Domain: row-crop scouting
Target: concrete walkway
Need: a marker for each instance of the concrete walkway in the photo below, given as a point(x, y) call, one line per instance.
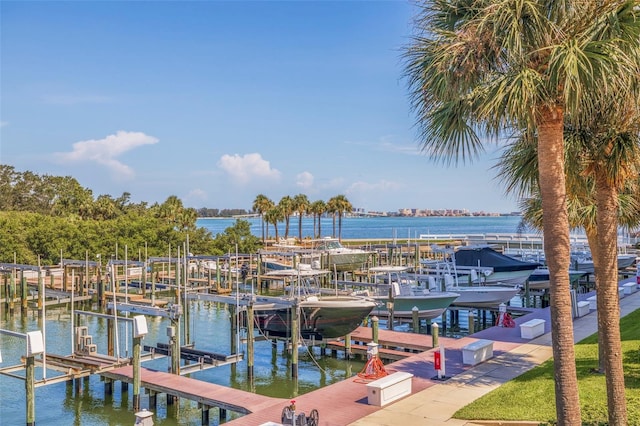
point(435, 405)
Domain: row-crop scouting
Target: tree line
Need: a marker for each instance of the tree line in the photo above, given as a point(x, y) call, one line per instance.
point(45, 218)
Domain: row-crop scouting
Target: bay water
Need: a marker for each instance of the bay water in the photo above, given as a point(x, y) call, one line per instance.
point(63, 404)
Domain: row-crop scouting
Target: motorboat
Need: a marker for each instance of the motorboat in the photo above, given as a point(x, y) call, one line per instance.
point(406, 295)
point(539, 279)
point(505, 269)
point(329, 253)
point(321, 315)
point(472, 293)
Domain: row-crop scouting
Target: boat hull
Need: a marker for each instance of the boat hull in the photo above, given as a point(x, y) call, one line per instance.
point(429, 306)
point(483, 296)
point(325, 318)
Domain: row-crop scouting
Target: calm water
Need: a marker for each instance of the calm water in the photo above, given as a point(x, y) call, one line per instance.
point(382, 227)
point(59, 404)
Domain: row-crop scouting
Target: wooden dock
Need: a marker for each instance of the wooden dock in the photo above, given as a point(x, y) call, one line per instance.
point(208, 394)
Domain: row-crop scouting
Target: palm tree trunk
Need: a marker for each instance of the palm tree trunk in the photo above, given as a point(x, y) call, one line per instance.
point(607, 297)
point(340, 226)
point(319, 226)
point(262, 225)
point(557, 252)
point(592, 238)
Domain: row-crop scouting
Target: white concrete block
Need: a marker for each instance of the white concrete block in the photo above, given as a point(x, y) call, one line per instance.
point(389, 388)
point(583, 308)
point(532, 328)
point(477, 352)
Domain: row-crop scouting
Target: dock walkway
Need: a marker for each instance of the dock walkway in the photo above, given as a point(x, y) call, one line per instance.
point(208, 394)
point(433, 401)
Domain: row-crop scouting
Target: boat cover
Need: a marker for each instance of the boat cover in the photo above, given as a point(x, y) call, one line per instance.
point(488, 257)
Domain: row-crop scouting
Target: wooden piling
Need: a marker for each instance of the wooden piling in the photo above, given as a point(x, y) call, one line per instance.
point(30, 388)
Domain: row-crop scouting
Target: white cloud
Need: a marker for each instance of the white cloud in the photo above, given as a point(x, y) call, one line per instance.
point(4, 123)
point(105, 152)
point(304, 180)
point(245, 168)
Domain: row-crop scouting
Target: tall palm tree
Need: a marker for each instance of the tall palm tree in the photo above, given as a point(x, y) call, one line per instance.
point(287, 206)
point(301, 203)
point(273, 216)
point(332, 208)
point(340, 206)
point(489, 67)
point(262, 204)
point(618, 166)
point(318, 208)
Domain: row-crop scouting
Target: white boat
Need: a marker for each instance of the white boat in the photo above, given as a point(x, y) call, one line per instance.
point(329, 253)
point(404, 294)
point(583, 261)
point(473, 293)
point(539, 279)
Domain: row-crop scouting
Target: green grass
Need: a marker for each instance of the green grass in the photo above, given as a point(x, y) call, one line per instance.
point(531, 396)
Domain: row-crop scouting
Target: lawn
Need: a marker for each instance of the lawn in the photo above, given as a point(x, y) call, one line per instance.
point(531, 396)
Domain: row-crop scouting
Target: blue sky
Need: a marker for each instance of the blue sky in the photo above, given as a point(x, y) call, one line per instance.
point(217, 102)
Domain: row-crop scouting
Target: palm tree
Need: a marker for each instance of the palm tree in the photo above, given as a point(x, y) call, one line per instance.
point(340, 206)
point(273, 216)
point(490, 67)
point(302, 206)
point(287, 205)
point(619, 165)
point(318, 208)
point(262, 204)
point(332, 208)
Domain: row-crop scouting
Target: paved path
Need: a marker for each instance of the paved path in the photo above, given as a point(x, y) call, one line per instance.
point(435, 405)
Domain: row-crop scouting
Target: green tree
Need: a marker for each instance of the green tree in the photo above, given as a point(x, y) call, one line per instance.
point(302, 206)
point(339, 205)
point(287, 207)
point(273, 216)
point(318, 208)
point(261, 205)
point(490, 67)
point(239, 235)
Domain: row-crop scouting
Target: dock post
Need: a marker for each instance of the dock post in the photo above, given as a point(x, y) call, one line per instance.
point(222, 414)
point(12, 291)
point(30, 388)
point(136, 373)
point(250, 354)
point(434, 334)
point(347, 346)
point(416, 319)
point(374, 328)
point(24, 293)
point(295, 331)
point(205, 414)
point(153, 400)
point(472, 322)
point(108, 386)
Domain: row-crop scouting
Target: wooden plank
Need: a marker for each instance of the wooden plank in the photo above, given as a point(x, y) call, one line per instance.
point(383, 353)
point(209, 394)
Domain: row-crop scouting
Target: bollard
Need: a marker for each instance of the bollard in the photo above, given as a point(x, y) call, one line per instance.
point(374, 328)
point(472, 324)
point(434, 334)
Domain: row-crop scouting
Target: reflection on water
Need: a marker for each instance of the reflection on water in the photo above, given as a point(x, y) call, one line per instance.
point(87, 404)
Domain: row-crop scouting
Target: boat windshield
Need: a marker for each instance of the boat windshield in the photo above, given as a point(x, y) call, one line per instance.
point(329, 245)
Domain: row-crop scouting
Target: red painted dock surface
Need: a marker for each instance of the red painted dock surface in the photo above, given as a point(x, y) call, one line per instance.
point(344, 402)
point(196, 390)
